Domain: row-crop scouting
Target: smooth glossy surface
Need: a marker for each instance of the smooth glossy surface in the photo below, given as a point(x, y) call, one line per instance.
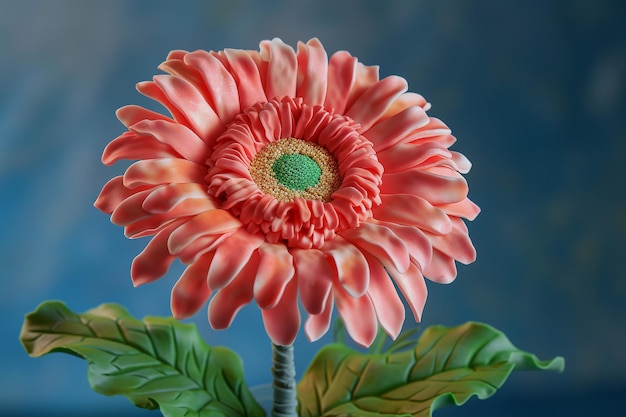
point(259, 208)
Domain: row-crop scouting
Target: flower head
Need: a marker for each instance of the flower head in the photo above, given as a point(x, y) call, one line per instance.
point(283, 175)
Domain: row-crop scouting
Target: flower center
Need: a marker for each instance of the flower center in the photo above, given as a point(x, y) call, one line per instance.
point(290, 168)
point(296, 171)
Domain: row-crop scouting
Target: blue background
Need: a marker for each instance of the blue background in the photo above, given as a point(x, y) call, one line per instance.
point(535, 92)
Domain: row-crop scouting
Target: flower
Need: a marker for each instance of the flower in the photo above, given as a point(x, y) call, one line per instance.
point(283, 175)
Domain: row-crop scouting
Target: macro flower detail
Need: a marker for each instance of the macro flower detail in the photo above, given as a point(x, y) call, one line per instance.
point(285, 177)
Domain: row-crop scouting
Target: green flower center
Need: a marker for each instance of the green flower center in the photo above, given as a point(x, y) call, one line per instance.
point(296, 171)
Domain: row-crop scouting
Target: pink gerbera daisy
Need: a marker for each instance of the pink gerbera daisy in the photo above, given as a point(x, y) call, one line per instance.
point(283, 174)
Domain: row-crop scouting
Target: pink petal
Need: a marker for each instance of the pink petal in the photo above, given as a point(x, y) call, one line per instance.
point(190, 102)
point(131, 114)
point(350, 264)
point(237, 165)
point(312, 72)
point(341, 75)
point(204, 244)
point(238, 190)
point(381, 242)
point(437, 189)
point(456, 244)
point(212, 222)
point(176, 54)
point(263, 209)
point(282, 71)
point(113, 193)
point(246, 73)
point(260, 63)
point(375, 100)
point(359, 316)
point(271, 122)
point(146, 225)
point(163, 171)
point(388, 133)
point(286, 118)
point(434, 131)
point(465, 208)
point(154, 261)
point(283, 321)
point(302, 207)
point(166, 197)
point(229, 300)
point(437, 163)
point(315, 278)
point(413, 211)
point(418, 244)
point(245, 193)
point(179, 137)
point(463, 165)
point(441, 269)
point(317, 325)
point(219, 82)
point(151, 90)
point(191, 290)
point(179, 69)
point(207, 74)
point(130, 210)
point(364, 77)
point(413, 287)
point(275, 271)
point(403, 157)
point(133, 146)
point(231, 256)
point(406, 100)
point(387, 303)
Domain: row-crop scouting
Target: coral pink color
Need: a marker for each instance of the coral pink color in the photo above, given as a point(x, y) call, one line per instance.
point(391, 207)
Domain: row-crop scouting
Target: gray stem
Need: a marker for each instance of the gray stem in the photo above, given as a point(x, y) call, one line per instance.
point(284, 372)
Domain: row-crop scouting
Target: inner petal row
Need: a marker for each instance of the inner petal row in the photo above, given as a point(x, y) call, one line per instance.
point(253, 172)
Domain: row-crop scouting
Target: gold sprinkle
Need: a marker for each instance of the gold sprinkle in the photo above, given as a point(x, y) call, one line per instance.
point(263, 174)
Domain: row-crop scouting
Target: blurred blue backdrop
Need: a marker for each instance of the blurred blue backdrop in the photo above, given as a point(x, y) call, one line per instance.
point(534, 91)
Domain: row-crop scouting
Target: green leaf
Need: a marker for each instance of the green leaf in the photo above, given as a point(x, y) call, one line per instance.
point(446, 366)
point(156, 362)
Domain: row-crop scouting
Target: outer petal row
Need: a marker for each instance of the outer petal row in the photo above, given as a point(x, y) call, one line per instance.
point(274, 276)
point(408, 227)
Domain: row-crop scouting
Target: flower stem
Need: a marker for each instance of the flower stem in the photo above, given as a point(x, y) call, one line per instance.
point(284, 372)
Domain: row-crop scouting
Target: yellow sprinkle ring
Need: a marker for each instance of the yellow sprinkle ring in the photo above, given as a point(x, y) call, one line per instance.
point(262, 169)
